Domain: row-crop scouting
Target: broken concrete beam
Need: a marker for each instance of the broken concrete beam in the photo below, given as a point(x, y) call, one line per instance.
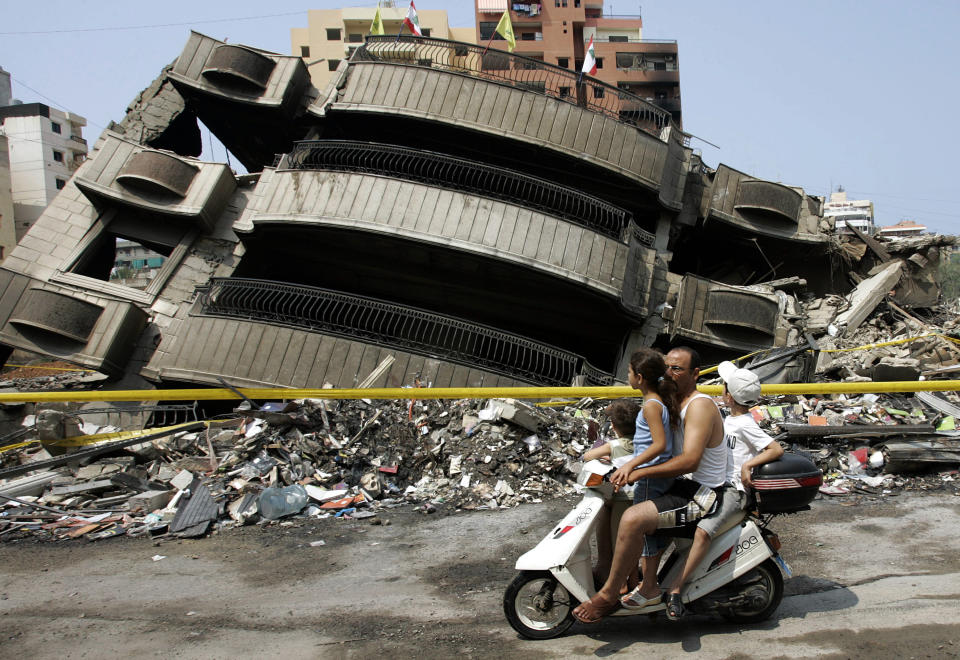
point(867, 295)
point(920, 455)
point(88, 487)
point(854, 430)
point(150, 500)
point(29, 485)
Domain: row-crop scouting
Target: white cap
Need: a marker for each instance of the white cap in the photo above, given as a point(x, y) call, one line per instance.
point(743, 384)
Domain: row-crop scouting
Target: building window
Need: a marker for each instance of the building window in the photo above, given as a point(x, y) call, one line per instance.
point(564, 92)
point(333, 34)
point(563, 62)
point(355, 38)
point(618, 39)
point(599, 62)
point(487, 30)
point(528, 36)
point(304, 51)
point(55, 127)
point(598, 92)
point(659, 66)
point(426, 31)
point(60, 183)
point(333, 64)
point(58, 156)
point(576, 3)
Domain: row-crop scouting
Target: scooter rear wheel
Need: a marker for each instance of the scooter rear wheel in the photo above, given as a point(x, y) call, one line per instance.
point(537, 606)
point(766, 583)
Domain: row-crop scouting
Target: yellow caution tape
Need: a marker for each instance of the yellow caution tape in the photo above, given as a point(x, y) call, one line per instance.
point(19, 445)
point(424, 393)
point(84, 440)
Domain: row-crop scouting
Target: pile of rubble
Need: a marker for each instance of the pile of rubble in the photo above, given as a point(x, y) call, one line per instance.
point(872, 444)
point(313, 458)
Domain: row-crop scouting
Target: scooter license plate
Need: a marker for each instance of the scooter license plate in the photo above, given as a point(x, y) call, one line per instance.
point(783, 565)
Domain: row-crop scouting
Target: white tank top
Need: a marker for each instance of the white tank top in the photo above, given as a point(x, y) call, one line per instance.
point(715, 464)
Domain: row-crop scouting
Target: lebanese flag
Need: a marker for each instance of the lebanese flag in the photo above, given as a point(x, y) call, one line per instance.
point(589, 59)
point(413, 23)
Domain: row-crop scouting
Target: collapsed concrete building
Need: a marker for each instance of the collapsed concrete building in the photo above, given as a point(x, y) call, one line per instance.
point(483, 218)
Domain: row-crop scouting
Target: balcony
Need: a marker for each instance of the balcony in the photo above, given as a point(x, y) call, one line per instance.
point(123, 172)
point(382, 323)
point(79, 140)
point(437, 169)
point(516, 70)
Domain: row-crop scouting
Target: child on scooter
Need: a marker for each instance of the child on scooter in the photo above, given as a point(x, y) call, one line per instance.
point(652, 444)
point(623, 418)
point(749, 447)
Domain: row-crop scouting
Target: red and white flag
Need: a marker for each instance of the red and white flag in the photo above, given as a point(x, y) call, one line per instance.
point(412, 22)
point(589, 59)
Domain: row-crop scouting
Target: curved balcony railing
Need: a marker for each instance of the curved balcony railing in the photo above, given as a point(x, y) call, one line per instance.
point(394, 326)
point(448, 172)
point(519, 71)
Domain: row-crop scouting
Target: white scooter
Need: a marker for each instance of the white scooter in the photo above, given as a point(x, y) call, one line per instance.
point(739, 579)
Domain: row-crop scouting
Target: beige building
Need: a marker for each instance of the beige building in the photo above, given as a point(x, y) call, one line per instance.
point(332, 35)
point(45, 146)
point(8, 232)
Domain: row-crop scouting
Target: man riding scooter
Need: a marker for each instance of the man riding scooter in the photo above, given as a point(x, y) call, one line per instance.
point(688, 503)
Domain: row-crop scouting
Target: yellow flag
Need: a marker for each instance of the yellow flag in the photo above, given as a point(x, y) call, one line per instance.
point(377, 26)
point(505, 30)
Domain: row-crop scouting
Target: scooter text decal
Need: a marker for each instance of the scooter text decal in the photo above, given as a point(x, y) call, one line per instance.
point(579, 519)
point(746, 545)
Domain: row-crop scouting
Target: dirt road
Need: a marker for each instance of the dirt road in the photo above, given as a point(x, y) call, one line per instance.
point(877, 580)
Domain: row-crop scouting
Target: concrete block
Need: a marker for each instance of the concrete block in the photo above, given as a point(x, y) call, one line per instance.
point(150, 500)
point(183, 480)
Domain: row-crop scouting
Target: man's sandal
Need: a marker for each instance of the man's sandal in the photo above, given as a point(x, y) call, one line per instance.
point(591, 611)
point(674, 607)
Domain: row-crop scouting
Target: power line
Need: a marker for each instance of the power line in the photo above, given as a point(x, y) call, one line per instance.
point(148, 27)
point(56, 103)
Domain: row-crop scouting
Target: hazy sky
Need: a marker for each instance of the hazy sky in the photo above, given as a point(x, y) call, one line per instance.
point(814, 94)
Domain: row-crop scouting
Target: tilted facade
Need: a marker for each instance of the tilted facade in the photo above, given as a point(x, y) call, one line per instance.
point(481, 217)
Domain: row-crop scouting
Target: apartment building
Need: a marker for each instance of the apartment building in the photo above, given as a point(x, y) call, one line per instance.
point(45, 146)
point(332, 35)
point(848, 213)
point(557, 32)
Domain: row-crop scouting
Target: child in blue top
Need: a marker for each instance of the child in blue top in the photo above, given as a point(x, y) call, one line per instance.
point(652, 444)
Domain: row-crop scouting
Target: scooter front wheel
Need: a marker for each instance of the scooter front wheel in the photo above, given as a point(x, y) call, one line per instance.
point(537, 606)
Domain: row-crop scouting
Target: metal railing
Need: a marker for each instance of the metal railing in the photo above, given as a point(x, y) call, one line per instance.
point(393, 326)
point(518, 71)
point(459, 174)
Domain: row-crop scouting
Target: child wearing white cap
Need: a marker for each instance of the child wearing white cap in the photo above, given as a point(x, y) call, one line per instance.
point(749, 445)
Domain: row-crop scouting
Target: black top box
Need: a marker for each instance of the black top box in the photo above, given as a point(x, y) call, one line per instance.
point(785, 485)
